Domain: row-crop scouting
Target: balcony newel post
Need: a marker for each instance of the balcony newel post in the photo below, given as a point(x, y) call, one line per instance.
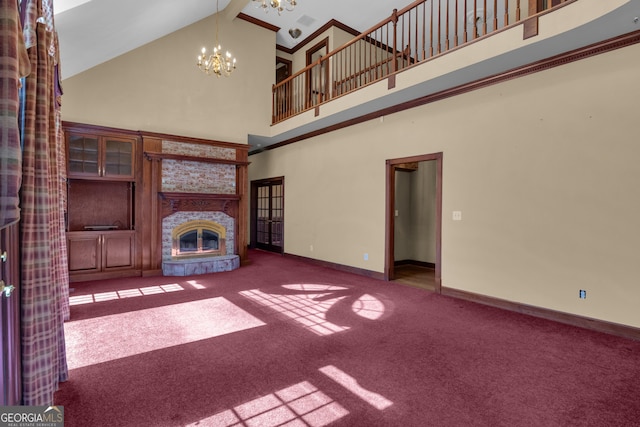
point(274, 104)
point(394, 19)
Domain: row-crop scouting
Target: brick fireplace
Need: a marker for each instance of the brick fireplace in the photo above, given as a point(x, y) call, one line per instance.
point(200, 207)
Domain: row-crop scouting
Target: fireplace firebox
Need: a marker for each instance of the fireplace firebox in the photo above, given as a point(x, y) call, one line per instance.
point(198, 238)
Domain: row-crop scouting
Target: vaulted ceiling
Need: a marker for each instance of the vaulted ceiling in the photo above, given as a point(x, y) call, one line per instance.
point(94, 31)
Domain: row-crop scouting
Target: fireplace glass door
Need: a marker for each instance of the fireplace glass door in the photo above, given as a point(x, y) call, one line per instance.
point(268, 214)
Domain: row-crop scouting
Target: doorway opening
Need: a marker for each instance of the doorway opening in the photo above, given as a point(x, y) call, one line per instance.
point(318, 76)
point(414, 221)
point(267, 214)
point(283, 101)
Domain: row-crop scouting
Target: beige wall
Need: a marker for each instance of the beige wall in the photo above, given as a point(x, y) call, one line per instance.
point(158, 87)
point(544, 169)
point(403, 226)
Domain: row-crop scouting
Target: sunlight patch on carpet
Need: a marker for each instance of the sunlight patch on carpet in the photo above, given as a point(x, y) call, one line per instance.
point(374, 399)
point(195, 284)
point(112, 337)
point(308, 304)
point(125, 293)
point(301, 404)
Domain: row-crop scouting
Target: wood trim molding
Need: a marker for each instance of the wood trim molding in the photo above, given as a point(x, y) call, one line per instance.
point(542, 65)
point(258, 22)
point(545, 313)
point(178, 138)
point(97, 129)
point(318, 32)
point(340, 267)
point(160, 156)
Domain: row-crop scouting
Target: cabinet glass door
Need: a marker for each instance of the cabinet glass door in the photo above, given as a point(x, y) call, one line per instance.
point(83, 155)
point(118, 158)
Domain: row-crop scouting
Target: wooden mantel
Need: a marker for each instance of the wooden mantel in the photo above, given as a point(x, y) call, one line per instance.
point(199, 202)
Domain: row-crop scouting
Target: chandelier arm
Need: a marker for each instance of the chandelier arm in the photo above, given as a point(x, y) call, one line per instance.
point(215, 62)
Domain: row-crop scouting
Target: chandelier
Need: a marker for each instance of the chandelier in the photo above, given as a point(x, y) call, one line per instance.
point(279, 5)
point(215, 62)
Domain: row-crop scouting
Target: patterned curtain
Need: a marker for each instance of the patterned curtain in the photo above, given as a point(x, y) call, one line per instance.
point(14, 64)
point(45, 281)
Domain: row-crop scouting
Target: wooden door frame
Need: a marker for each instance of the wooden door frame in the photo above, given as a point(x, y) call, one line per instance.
point(288, 65)
point(391, 166)
point(254, 209)
point(324, 66)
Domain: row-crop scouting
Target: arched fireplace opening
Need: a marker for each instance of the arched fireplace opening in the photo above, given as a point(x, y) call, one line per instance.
point(198, 238)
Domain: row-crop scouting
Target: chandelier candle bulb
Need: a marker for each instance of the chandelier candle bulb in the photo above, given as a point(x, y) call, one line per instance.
point(279, 5)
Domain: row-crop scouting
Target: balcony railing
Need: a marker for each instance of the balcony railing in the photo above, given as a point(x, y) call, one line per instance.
point(419, 32)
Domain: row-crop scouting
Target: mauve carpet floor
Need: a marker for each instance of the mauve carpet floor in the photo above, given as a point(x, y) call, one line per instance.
point(280, 342)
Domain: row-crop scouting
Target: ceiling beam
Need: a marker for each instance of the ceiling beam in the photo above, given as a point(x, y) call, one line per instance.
point(233, 9)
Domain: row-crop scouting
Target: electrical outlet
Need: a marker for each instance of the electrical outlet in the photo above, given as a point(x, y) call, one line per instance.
point(457, 216)
point(366, 257)
point(310, 248)
point(583, 294)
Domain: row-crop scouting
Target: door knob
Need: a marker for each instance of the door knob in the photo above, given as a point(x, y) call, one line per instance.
point(6, 289)
point(3, 257)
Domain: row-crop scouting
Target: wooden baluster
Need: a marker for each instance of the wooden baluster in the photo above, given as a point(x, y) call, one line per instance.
point(273, 104)
point(484, 18)
point(506, 12)
point(464, 19)
point(343, 66)
point(517, 10)
point(495, 15)
point(455, 27)
point(352, 67)
point(475, 19)
point(439, 26)
point(431, 31)
point(400, 50)
point(446, 39)
point(424, 31)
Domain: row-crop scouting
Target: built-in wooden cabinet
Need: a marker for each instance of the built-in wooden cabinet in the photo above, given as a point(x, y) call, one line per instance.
point(92, 252)
point(93, 156)
point(101, 202)
point(116, 203)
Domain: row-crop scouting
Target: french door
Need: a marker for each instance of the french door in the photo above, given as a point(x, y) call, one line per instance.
point(267, 214)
